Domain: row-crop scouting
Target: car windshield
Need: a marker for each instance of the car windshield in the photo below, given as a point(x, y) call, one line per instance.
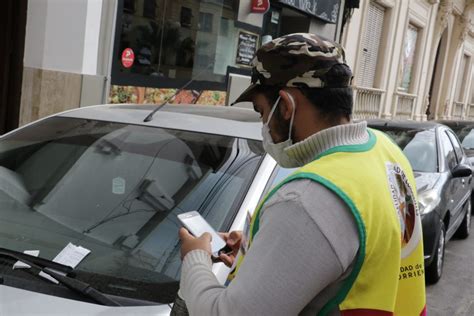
point(419, 146)
point(116, 189)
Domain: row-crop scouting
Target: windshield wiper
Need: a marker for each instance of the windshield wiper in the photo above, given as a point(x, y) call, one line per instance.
point(52, 269)
point(36, 260)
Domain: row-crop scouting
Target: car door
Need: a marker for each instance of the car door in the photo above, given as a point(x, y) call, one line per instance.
point(463, 189)
point(451, 192)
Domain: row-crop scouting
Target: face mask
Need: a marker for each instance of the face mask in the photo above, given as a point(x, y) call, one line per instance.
point(277, 151)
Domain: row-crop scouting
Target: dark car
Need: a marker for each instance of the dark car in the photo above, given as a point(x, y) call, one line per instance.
point(443, 180)
point(465, 132)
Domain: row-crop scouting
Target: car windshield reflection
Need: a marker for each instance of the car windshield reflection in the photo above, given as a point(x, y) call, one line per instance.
point(419, 146)
point(116, 189)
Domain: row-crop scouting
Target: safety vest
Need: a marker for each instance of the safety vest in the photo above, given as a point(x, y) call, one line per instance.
point(376, 181)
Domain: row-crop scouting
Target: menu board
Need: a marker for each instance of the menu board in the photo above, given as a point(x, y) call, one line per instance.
point(327, 10)
point(246, 48)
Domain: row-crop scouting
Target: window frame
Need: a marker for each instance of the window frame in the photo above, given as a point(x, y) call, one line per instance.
point(443, 133)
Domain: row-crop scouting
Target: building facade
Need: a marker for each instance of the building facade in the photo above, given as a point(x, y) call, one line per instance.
point(412, 59)
point(85, 52)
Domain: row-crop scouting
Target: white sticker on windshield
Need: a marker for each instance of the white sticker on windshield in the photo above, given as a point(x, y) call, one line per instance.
point(118, 185)
point(71, 256)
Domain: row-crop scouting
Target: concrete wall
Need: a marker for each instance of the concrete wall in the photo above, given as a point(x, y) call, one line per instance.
point(61, 46)
point(55, 34)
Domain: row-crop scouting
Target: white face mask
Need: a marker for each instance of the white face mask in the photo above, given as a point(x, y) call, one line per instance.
point(277, 151)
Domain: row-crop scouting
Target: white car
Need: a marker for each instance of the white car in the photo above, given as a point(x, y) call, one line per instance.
point(102, 179)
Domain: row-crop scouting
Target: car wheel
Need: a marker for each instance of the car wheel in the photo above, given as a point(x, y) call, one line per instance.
point(465, 228)
point(472, 200)
point(435, 269)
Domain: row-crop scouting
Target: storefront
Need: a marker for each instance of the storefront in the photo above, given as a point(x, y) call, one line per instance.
point(194, 47)
point(290, 16)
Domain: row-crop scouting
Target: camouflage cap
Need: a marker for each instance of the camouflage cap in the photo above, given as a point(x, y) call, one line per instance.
point(298, 60)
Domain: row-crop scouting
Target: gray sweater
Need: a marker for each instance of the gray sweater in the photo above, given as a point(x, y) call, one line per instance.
point(305, 247)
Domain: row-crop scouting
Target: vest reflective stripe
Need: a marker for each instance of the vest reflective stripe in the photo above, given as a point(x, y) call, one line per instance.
point(376, 283)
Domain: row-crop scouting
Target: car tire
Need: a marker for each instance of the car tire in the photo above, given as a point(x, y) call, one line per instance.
point(472, 200)
point(465, 228)
point(435, 269)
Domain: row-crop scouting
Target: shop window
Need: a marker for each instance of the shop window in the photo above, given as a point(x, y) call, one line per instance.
point(183, 41)
point(205, 21)
point(371, 44)
point(129, 6)
point(186, 17)
point(149, 9)
point(271, 24)
point(279, 21)
point(409, 53)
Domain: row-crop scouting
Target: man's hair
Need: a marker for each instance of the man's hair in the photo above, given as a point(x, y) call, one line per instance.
point(332, 103)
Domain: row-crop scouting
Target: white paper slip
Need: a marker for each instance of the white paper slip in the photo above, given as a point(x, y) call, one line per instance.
point(71, 256)
point(22, 265)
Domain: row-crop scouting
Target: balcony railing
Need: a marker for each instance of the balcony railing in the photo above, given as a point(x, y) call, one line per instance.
point(367, 103)
point(405, 105)
point(458, 110)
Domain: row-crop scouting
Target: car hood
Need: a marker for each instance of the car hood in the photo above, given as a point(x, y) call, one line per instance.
point(21, 302)
point(426, 180)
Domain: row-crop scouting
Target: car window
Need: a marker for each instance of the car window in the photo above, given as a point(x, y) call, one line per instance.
point(116, 189)
point(278, 175)
point(457, 148)
point(468, 141)
point(448, 150)
point(419, 146)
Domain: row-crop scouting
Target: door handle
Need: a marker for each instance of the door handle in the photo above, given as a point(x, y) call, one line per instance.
point(463, 181)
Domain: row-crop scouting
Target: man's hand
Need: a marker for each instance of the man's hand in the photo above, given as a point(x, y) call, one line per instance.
point(190, 243)
point(233, 240)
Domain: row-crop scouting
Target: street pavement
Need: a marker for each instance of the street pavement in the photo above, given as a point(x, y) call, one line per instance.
point(454, 293)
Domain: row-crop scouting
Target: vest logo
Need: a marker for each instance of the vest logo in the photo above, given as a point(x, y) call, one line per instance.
point(406, 207)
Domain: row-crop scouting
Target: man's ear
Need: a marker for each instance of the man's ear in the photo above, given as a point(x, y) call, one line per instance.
point(288, 105)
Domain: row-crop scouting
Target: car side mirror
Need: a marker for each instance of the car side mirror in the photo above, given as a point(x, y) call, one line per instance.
point(461, 170)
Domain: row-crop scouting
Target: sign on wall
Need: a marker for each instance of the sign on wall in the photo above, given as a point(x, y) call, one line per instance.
point(246, 48)
point(260, 6)
point(128, 57)
point(327, 10)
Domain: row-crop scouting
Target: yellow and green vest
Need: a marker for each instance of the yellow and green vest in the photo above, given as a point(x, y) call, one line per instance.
point(376, 181)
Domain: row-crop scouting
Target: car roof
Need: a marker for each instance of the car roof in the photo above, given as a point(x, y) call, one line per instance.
point(454, 123)
point(404, 124)
point(221, 120)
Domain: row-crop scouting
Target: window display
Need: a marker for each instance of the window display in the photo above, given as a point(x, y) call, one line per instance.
point(174, 41)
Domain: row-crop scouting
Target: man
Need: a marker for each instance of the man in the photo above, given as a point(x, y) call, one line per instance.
point(327, 239)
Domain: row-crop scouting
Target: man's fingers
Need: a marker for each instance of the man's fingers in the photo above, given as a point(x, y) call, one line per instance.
point(207, 237)
point(184, 234)
point(224, 235)
point(234, 238)
point(227, 260)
